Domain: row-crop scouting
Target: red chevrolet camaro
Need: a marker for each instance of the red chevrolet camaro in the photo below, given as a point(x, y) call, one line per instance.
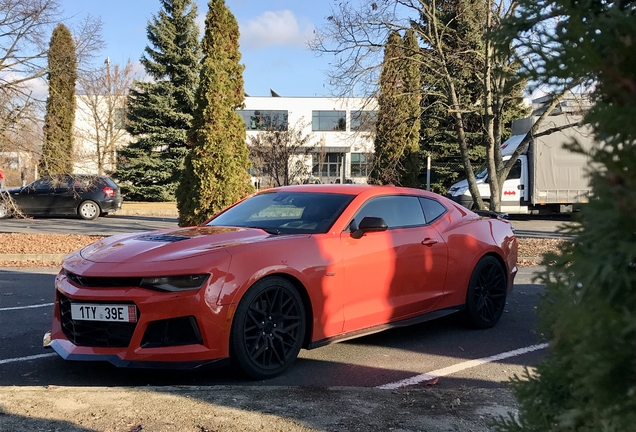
point(287, 268)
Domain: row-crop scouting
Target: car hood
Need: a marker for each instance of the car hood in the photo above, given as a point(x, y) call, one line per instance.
point(168, 245)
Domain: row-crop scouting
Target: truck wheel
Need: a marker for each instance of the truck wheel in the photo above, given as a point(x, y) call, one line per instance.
point(486, 295)
point(268, 329)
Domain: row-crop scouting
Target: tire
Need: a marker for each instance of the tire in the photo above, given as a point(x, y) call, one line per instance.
point(89, 210)
point(486, 295)
point(5, 212)
point(268, 329)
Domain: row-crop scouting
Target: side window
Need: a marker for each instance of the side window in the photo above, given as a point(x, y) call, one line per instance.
point(43, 184)
point(397, 211)
point(515, 171)
point(432, 209)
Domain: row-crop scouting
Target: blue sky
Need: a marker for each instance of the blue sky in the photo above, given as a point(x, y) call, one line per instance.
point(273, 40)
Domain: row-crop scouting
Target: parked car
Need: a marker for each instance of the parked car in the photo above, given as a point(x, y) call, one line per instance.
point(88, 196)
point(287, 268)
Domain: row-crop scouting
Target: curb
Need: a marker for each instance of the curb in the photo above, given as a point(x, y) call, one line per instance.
point(57, 258)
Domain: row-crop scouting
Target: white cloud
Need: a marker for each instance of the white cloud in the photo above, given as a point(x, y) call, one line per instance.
point(275, 28)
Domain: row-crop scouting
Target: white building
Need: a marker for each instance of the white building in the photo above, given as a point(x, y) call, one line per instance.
point(340, 130)
point(98, 133)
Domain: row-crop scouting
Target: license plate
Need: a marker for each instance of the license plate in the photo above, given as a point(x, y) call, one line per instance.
point(97, 312)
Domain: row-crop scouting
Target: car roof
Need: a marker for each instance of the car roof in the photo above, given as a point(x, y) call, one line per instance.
point(351, 189)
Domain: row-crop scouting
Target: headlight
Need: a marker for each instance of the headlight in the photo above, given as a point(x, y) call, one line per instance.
point(174, 283)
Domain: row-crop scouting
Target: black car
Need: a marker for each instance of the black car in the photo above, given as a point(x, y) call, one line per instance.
point(88, 196)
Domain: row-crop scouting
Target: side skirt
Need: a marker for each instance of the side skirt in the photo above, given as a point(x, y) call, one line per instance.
point(376, 329)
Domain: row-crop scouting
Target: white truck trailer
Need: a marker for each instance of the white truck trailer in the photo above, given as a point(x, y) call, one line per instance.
point(547, 178)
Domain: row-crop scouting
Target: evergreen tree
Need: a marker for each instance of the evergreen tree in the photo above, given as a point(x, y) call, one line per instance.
point(464, 23)
point(396, 159)
point(57, 148)
point(216, 169)
point(159, 112)
point(587, 381)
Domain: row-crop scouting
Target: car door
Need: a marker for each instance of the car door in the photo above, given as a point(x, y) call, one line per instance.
point(37, 197)
point(392, 274)
point(67, 194)
point(512, 192)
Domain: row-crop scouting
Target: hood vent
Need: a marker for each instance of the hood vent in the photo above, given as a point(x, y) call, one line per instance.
point(162, 238)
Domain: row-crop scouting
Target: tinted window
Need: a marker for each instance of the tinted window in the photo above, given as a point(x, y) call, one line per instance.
point(265, 119)
point(328, 120)
point(397, 211)
point(432, 209)
point(286, 212)
point(515, 171)
point(363, 120)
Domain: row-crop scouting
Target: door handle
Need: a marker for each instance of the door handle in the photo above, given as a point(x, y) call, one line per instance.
point(429, 241)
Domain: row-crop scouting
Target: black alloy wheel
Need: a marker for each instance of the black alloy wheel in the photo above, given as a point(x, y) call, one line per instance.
point(486, 296)
point(268, 328)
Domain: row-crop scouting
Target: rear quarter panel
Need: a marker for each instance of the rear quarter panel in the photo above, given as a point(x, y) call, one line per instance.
point(469, 238)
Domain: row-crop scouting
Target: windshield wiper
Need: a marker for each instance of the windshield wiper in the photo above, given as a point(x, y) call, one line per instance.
point(272, 231)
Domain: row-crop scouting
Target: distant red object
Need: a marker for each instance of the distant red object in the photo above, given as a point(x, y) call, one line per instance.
point(288, 268)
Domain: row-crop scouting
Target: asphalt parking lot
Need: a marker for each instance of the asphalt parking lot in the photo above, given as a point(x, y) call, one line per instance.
point(398, 379)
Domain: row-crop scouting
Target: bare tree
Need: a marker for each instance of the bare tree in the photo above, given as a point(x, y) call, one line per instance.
point(355, 34)
point(282, 156)
point(101, 114)
point(25, 27)
point(24, 32)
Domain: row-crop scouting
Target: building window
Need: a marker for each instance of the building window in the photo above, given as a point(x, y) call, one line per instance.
point(360, 164)
point(363, 120)
point(264, 119)
point(330, 167)
point(120, 118)
point(328, 120)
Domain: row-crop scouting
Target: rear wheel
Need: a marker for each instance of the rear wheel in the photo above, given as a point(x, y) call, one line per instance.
point(268, 328)
point(89, 210)
point(486, 296)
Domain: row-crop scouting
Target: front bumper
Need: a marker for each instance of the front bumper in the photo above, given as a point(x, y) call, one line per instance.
point(140, 344)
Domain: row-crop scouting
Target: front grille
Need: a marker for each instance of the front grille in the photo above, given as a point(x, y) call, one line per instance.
point(102, 282)
point(95, 333)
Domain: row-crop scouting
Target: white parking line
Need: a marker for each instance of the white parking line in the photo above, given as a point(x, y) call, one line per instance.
point(26, 307)
point(33, 357)
point(459, 367)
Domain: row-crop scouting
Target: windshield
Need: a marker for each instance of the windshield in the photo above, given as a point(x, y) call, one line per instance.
point(286, 212)
point(483, 172)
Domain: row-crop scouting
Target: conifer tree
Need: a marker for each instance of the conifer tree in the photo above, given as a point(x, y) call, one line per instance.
point(216, 168)
point(159, 112)
point(587, 381)
point(396, 159)
point(57, 148)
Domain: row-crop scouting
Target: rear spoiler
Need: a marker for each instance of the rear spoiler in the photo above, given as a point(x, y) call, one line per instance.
point(491, 214)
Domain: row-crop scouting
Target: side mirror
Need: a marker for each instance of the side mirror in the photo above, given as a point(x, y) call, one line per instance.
point(369, 224)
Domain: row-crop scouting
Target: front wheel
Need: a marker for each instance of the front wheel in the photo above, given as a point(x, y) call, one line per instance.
point(268, 328)
point(486, 295)
point(89, 210)
point(4, 210)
